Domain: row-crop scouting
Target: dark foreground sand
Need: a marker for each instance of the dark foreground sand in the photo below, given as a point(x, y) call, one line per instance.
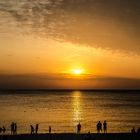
point(64, 136)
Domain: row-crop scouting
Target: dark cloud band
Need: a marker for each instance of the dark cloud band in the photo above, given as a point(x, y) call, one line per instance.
point(63, 81)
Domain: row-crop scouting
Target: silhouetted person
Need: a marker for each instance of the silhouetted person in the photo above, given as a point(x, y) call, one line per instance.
point(3, 129)
point(0, 129)
point(12, 128)
point(133, 130)
point(15, 128)
point(138, 131)
point(50, 129)
point(79, 128)
point(105, 126)
point(32, 129)
point(99, 127)
point(36, 129)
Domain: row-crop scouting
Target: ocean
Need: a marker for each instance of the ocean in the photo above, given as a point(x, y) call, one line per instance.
point(63, 110)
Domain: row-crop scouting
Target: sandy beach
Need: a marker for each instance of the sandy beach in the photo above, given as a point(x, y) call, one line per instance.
point(72, 136)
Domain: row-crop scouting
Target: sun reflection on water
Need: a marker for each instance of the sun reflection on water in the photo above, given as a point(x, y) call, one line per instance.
point(77, 108)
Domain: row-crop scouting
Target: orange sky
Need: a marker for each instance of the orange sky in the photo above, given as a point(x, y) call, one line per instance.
point(101, 44)
point(26, 54)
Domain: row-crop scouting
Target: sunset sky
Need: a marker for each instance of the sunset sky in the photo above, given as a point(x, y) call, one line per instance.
point(80, 44)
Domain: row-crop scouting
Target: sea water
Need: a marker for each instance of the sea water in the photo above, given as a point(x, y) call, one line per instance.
point(63, 110)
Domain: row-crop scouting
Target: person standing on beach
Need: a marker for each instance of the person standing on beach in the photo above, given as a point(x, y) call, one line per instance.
point(98, 130)
point(15, 128)
point(12, 128)
point(36, 129)
point(138, 131)
point(79, 128)
point(105, 126)
point(50, 129)
point(99, 127)
point(133, 130)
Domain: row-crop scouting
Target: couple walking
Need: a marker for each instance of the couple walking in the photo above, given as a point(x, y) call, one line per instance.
point(36, 129)
point(99, 127)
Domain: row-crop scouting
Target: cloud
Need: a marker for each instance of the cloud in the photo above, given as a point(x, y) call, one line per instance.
point(63, 81)
point(106, 24)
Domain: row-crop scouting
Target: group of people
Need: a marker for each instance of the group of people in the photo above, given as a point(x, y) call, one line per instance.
point(99, 127)
point(134, 131)
point(2, 130)
point(34, 131)
point(13, 128)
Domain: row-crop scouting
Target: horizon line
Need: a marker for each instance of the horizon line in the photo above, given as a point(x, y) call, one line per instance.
point(60, 90)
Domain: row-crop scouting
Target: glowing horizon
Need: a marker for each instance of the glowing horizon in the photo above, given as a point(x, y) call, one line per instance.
point(47, 38)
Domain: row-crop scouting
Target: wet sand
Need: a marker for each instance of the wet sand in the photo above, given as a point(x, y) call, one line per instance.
point(72, 136)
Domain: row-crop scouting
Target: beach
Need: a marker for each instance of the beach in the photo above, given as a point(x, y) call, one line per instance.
point(73, 136)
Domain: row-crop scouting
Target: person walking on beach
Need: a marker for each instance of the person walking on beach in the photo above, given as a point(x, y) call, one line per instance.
point(50, 129)
point(105, 126)
point(79, 128)
point(36, 129)
point(99, 127)
point(32, 129)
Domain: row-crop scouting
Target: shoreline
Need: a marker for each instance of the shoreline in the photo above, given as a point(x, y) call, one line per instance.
point(73, 136)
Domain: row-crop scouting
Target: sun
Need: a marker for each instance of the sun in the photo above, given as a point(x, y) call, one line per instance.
point(77, 71)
